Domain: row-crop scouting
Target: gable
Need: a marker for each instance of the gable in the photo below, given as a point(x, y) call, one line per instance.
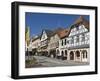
point(78, 29)
point(43, 36)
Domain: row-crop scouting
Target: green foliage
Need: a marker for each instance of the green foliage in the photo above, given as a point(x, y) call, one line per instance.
point(31, 63)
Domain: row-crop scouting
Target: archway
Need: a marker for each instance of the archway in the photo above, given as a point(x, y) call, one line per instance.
point(57, 52)
point(77, 56)
point(53, 53)
point(71, 55)
point(77, 53)
point(65, 54)
point(58, 55)
point(62, 53)
point(84, 54)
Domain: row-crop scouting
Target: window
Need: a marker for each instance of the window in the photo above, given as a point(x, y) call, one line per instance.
point(77, 54)
point(77, 39)
point(57, 43)
point(62, 43)
point(72, 40)
point(71, 55)
point(87, 37)
point(83, 37)
point(65, 41)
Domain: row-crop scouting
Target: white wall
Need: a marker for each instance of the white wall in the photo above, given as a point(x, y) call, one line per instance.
point(5, 40)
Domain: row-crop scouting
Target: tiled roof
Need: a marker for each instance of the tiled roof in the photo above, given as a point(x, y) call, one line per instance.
point(82, 20)
point(49, 32)
point(63, 33)
point(52, 32)
point(60, 31)
point(35, 38)
point(56, 31)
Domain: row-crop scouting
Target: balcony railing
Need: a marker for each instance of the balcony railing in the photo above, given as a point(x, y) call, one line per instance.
point(78, 44)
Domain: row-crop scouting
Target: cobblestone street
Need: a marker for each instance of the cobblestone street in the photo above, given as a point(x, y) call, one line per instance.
point(52, 62)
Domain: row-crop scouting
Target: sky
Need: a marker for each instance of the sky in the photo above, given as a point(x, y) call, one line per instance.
point(38, 21)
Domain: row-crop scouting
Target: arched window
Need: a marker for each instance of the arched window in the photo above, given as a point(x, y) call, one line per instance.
point(77, 54)
point(65, 52)
point(84, 52)
point(71, 55)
